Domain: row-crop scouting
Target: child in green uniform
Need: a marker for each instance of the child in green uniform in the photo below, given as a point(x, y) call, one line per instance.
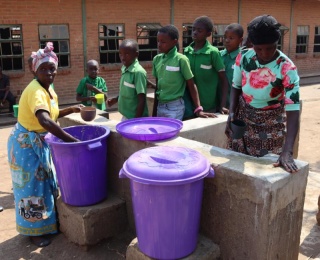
point(172, 72)
point(207, 67)
point(91, 84)
point(233, 37)
point(133, 83)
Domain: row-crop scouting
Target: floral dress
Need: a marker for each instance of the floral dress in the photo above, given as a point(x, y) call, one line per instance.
point(267, 92)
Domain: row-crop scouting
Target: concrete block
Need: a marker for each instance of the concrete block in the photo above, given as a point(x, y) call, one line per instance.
point(86, 226)
point(254, 212)
point(206, 130)
point(206, 250)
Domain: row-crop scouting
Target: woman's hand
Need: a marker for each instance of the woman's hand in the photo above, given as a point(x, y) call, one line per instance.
point(205, 114)
point(228, 130)
point(287, 162)
point(77, 108)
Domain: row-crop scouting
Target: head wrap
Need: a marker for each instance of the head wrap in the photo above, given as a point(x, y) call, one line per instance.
point(44, 55)
point(264, 29)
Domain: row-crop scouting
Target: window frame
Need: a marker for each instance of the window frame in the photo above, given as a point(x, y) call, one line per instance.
point(55, 41)
point(218, 35)
point(186, 37)
point(316, 35)
point(283, 31)
point(144, 49)
point(12, 56)
point(302, 48)
point(117, 39)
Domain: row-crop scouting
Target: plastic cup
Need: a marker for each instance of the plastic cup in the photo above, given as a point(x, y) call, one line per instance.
point(15, 110)
point(99, 98)
point(238, 128)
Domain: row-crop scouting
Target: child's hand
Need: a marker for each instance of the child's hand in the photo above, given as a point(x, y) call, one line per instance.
point(90, 86)
point(205, 114)
point(93, 99)
point(224, 111)
point(112, 101)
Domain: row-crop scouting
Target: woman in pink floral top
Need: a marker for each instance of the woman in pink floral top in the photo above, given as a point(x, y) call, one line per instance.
point(265, 95)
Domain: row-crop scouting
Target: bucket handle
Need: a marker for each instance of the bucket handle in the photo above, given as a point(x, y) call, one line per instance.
point(94, 146)
point(122, 174)
point(211, 172)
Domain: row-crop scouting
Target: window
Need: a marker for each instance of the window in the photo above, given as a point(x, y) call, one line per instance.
point(110, 38)
point(59, 36)
point(316, 47)
point(283, 31)
point(11, 49)
point(217, 35)
point(302, 39)
point(147, 40)
point(186, 34)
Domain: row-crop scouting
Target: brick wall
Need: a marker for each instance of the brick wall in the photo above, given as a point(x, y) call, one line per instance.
point(130, 13)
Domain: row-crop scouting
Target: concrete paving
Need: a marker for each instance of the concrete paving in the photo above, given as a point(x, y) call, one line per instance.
point(14, 246)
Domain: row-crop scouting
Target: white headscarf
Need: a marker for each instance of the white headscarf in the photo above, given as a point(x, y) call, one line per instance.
point(44, 55)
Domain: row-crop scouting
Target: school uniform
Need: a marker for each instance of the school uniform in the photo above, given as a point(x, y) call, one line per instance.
point(98, 82)
point(205, 65)
point(172, 70)
point(229, 59)
point(132, 83)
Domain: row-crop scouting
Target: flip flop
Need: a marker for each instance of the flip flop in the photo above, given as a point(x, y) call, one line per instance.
point(40, 241)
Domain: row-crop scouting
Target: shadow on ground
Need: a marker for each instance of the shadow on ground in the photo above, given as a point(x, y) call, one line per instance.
point(310, 246)
point(20, 247)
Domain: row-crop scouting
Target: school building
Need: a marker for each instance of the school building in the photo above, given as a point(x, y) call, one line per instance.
point(82, 30)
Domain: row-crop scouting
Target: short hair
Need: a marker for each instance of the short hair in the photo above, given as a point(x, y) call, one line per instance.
point(171, 30)
point(131, 44)
point(237, 28)
point(206, 21)
point(264, 29)
point(92, 62)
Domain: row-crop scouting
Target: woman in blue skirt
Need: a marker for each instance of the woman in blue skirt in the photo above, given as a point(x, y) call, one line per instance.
point(33, 176)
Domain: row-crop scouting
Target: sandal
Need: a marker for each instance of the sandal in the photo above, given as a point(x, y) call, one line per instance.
point(40, 241)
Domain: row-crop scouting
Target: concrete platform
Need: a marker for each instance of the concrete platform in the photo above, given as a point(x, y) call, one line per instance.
point(86, 226)
point(206, 250)
point(246, 208)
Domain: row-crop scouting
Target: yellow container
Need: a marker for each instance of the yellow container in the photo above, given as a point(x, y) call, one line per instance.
point(99, 98)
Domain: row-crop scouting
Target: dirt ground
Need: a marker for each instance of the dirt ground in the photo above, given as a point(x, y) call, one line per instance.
point(14, 246)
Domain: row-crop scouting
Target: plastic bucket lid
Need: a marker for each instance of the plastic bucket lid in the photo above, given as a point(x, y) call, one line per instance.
point(166, 165)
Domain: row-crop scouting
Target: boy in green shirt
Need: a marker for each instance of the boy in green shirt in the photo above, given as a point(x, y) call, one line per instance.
point(172, 72)
point(133, 83)
point(91, 84)
point(233, 37)
point(207, 67)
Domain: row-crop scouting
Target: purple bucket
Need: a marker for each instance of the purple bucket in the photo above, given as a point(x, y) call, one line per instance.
point(81, 167)
point(166, 188)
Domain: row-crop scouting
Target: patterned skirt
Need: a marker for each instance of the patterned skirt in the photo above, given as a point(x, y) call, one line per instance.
point(265, 131)
point(34, 184)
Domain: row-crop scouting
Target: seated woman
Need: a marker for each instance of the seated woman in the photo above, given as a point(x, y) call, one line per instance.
point(265, 95)
point(33, 176)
